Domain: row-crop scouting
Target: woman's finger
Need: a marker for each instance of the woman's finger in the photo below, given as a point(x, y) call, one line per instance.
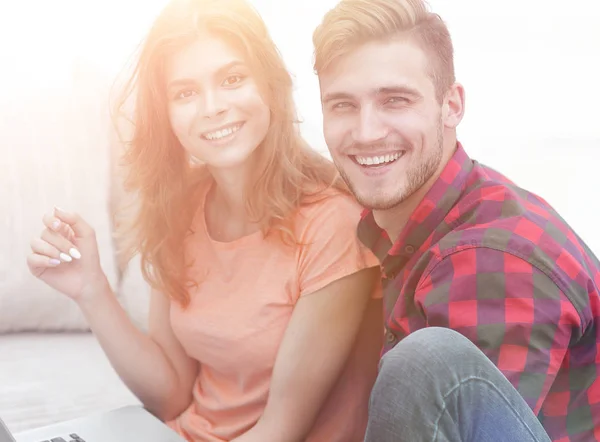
point(38, 263)
point(81, 228)
point(67, 250)
point(52, 222)
point(41, 247)
point(56, 225)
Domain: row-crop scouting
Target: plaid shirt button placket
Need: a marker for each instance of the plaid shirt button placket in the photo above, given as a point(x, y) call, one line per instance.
point(390, 338)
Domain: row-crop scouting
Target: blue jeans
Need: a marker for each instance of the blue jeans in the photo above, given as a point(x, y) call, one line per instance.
point(437, 386)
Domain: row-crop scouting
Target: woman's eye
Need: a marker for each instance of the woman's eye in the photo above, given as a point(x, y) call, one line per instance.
point(184, 94)
point(232, 80)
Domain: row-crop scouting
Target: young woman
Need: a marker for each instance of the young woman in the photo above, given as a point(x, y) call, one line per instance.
point(258, 327)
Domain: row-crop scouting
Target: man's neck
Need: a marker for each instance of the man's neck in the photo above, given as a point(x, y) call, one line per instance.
point(394, 220)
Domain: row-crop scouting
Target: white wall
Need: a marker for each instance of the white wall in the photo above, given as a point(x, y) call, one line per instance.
point(530, 68)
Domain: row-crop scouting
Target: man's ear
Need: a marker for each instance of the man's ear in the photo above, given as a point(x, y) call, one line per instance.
point(453, 108)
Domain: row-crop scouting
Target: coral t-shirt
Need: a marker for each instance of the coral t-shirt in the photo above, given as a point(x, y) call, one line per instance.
point(240, 310)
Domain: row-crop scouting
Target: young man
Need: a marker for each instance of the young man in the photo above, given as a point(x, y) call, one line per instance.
point(492, 301)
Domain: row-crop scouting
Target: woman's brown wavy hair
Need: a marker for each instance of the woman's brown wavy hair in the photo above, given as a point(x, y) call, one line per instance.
point(289, 172)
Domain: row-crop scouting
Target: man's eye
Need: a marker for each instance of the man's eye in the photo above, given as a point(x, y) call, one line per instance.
point(397, 100)
point(342, 105)
point(233, 80)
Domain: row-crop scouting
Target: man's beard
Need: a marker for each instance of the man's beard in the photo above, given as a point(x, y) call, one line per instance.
point(416, 177)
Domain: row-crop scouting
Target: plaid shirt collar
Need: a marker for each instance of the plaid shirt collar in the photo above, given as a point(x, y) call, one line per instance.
point(427, 217)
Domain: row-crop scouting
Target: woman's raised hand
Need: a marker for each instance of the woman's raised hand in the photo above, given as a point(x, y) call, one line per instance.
point(65, 256)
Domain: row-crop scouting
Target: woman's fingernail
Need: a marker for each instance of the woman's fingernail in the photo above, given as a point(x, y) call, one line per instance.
point(74, 253)
point(54, 262)
point(65, 257)
point(56, 224)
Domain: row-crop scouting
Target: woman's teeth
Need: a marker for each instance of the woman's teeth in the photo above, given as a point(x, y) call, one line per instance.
point(377, 160)
point(217, 135)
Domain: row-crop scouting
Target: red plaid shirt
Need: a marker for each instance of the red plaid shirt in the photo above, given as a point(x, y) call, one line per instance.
point(496, 263)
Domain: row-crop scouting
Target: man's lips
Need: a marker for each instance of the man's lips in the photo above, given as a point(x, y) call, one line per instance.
point(377, 159)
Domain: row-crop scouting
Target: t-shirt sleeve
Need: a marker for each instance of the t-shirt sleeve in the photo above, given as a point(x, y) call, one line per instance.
point(330, 248)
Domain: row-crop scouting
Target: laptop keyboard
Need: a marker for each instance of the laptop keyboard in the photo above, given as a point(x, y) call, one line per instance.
point(72, 438)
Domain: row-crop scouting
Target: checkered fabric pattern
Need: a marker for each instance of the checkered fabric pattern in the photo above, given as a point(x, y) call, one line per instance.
point(499, 265)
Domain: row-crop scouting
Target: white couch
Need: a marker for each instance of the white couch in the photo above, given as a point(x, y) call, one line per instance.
point(55, 150)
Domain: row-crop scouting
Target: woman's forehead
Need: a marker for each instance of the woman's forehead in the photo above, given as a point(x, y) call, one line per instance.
point(206, 55)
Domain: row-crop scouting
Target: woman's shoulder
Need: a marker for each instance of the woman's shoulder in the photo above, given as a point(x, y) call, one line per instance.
point(330, 206)
point(330, 197)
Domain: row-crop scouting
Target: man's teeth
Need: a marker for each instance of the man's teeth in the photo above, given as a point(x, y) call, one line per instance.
point(222, 133)
point(382, 159)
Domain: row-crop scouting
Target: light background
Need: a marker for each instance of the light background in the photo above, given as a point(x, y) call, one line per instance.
point(531, 69)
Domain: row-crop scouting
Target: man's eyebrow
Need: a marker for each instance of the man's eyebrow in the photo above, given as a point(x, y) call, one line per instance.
point(222, 70)
point(333, 96)
point(385, 90)
point(402, 90)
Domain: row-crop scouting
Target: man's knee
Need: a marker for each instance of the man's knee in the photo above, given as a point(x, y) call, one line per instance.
point(431, 345)
point(412, 379)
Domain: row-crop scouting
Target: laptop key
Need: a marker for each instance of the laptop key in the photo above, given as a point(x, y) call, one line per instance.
point(73, 437)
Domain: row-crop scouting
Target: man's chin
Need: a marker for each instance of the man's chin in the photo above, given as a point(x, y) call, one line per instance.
point(370, 196)
point(378, 202)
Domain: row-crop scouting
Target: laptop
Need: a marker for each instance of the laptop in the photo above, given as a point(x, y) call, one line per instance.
point(127, 424)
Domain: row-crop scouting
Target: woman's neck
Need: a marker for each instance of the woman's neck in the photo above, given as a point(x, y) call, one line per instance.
point(226, 212)
point(228, 194)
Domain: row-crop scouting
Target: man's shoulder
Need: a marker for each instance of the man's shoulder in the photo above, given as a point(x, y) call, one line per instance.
point(494, 211)
point(495, 215)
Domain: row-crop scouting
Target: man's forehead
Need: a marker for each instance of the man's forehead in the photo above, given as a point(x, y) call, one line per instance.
point(374, 66)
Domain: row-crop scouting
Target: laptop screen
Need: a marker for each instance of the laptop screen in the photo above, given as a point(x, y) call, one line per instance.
point(5, 435)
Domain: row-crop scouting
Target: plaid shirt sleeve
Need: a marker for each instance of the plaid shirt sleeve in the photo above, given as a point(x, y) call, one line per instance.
point(509, 308)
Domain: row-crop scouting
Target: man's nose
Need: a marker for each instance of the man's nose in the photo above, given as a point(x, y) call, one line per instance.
point(370, 127)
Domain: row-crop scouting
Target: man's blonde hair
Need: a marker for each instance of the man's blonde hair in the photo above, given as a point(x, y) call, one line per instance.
point(355, 22)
